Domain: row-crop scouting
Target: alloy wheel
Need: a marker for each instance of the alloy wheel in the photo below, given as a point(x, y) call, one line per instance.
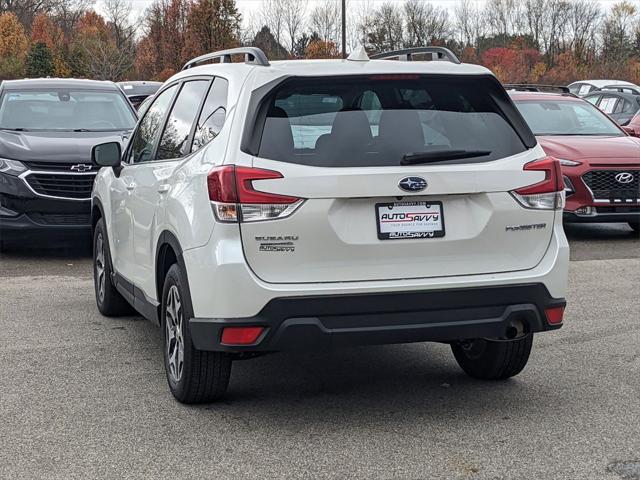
point(100, 267)
point(174, 334)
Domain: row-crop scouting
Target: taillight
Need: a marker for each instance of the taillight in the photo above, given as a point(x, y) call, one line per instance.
point(547, 194)
point(234, 198)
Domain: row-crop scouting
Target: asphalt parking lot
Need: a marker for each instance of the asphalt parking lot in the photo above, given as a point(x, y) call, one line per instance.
point(82, 396)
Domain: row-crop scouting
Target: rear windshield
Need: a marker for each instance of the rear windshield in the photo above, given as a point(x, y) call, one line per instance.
point(65, 109)
point(380, 120)
point(566, 117)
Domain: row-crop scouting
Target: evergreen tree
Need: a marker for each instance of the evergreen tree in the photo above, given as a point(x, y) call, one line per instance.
point(39, 61)
point(265, 40)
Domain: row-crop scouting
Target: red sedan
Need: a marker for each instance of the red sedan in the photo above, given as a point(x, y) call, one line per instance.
point(600, 161)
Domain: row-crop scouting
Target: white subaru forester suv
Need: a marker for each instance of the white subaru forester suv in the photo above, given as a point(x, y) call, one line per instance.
point(262, 207)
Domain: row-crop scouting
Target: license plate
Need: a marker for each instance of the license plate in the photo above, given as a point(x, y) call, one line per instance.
point(401, 220)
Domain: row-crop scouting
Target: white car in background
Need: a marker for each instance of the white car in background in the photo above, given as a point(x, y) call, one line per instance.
point(262, 207)
point(584, 87)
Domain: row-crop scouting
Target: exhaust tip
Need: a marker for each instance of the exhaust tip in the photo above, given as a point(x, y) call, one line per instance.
point(517, 328)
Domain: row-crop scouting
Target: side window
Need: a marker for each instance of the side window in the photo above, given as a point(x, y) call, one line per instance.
point(575, 88)
point(148, 131)
point(608, 104)
point(628, 107)
point(213, 114)
point(593, 100)
point(584, 89)
point(173, 143)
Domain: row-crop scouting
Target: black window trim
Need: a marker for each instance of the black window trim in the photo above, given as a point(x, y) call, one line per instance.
point(261, 97)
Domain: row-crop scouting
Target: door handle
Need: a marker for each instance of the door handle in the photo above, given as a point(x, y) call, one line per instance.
point(131, 186)
point(163, 188)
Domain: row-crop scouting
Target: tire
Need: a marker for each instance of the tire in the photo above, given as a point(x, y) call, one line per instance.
point(493, 359)
point(201, 376)
point(635, 226)
point(109, 301)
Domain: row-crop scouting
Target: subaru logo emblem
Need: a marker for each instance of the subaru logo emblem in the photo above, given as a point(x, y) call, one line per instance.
point(81, 167)
point(412, 184)
point(624, 177)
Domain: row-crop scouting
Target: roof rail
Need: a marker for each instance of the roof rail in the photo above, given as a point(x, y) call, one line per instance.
point(438, 53)
point(532, 87)
point(252, 56)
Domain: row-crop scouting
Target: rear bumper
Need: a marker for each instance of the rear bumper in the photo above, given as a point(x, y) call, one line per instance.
point(321, 322)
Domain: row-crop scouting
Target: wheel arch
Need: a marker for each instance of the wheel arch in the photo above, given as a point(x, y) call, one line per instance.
point(97, 212)
point(169, 252)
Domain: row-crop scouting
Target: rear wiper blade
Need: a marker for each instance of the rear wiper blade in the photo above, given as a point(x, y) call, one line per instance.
point(440, 156)
point(17, 129)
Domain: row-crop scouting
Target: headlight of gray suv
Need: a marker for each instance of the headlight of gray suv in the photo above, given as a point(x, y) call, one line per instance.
point(11, 167)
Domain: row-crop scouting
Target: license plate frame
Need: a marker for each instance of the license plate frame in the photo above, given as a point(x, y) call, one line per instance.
point(412, 235)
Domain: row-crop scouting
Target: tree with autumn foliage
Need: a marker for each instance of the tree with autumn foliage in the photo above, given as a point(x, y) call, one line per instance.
point(211, 25)
point(512, 65)
point(322, 49)
point(178, 30)
point(14, 45)
point(160, 50)
point(45, 30)
point(95, 52)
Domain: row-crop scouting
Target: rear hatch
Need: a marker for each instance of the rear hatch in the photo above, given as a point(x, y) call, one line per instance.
point(398, 177)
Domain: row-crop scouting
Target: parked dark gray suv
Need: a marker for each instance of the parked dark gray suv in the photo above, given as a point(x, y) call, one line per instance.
point(47, 130)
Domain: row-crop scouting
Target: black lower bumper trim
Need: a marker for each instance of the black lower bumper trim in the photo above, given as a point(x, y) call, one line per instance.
point(345, 320)
point(25, 227)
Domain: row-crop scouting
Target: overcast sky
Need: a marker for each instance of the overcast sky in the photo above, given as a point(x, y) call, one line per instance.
point(247, 7)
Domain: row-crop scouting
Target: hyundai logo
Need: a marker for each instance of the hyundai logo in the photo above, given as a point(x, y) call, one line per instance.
point(624, 177)
point(412, 184)
point(81, 167)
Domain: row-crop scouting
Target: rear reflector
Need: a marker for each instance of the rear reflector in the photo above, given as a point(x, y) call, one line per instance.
point(241, 335)
point(554, 315)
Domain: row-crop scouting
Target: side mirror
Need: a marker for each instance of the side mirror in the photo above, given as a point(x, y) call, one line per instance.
point(107, 155)
point(630, 130)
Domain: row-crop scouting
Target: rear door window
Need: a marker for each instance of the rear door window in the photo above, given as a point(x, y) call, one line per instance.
point(379, 120)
